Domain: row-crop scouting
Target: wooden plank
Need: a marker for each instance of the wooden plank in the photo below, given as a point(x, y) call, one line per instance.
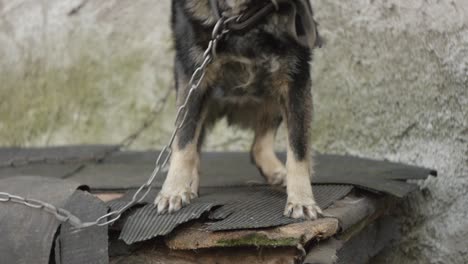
point(106, 197)
point(159, 254)
point(196, 237)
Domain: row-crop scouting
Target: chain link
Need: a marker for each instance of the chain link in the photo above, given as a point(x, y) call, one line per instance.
point(219, 31)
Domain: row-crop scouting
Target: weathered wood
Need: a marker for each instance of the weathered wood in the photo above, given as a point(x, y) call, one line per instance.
point(163, 255)
point(106, 197)
point(195, 237)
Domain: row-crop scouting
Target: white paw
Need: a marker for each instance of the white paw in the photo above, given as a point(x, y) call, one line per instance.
point(170, 201)
point(277, 178)
point(304, 210)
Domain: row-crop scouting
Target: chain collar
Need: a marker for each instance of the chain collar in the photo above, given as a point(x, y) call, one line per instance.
point(252, 17)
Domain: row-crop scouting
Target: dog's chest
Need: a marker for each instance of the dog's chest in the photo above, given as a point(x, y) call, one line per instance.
point(255, 64)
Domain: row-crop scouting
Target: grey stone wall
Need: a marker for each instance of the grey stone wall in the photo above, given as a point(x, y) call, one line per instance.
point(390, 83)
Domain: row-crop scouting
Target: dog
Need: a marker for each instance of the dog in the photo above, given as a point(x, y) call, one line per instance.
point(260, 78)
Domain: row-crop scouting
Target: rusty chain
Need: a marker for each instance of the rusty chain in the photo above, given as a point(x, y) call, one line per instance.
point(219, 31)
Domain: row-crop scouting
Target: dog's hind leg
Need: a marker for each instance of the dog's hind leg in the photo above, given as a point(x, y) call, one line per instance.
point(181, 184)
point(263, 153)
point(297, 111)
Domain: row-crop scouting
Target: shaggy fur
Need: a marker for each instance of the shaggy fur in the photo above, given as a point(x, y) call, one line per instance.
point(259, 79)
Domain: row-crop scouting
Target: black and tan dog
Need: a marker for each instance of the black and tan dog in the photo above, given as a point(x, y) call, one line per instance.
point(260, 77)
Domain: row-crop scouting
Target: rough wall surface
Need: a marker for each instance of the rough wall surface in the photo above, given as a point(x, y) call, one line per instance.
point(391, 82)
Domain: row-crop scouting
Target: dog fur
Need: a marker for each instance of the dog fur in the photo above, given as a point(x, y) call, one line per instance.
point(259, 79)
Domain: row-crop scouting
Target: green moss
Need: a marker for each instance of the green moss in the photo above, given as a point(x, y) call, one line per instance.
point(78, 103)
point(258, 241)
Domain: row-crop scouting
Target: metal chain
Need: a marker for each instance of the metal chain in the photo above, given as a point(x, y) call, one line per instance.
point(219, 31)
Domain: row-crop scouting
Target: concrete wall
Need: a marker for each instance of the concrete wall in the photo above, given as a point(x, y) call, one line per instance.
point(391, 83)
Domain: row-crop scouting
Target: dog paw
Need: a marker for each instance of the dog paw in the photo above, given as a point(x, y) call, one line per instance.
point(277, 178)
point(308, 210)
point(170, 202)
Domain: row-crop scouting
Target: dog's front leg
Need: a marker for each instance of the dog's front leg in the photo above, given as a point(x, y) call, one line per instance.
point(297, 111)
point(181, 184)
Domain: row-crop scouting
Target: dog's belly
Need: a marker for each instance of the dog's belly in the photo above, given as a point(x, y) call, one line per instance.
point(244, 90)
point(239, 111)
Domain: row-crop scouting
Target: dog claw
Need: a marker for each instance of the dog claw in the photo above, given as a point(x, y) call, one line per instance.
point(173, 203)
point(313, 211)
point(186, 199)
point(162, 204)
point(297, 211)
